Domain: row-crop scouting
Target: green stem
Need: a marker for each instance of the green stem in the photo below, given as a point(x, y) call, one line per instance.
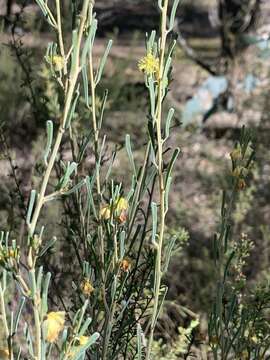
point(5, 323)
point(36, 302)
point(109, 326)
point(69, 91)
point(98, 183)
point(162, 211)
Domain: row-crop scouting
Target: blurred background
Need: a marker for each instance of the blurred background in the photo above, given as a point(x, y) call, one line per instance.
point(220, 83)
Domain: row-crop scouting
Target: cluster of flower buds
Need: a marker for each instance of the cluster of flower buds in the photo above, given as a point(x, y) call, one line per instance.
point(125, 265)
point(118, 209)
point(9, 257)
point(241, 165)
point(87, 287)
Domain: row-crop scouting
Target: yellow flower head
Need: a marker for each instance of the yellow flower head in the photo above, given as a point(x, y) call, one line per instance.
point(11, 253)
point(83, 340)
point(80, 341)
point(149, 64)
point(105, 212)
point(121, 207)
point(4, 354)
point(54, 324)
point(58, 62)
point(87, 287)
point(121, 204)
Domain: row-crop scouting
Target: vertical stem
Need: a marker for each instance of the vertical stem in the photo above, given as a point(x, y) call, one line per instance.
point(94, 117)
point(162, 212)
point(37, 321)
point(3, 312)
point(108, 330)
point(98, 183)
point(69, 91)
point(4, 319)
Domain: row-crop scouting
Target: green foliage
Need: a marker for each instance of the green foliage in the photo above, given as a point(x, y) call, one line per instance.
point(180, 348)
point(238, 322)
point(90, 268)
point(119, 264)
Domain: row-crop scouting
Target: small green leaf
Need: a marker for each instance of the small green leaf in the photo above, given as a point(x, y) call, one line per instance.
point(85, 326)
point(46, 12)
point(171, 164)
point(69, 171)
point(85, 142)
point(18, 313)
point(39, 277)
point(49, 127)
point(49, 245)
point(103, 62)
point(154, 221)
point(30, 206)
point(73, 107)
point(89, 187)
point(151, 132)
point(161, 301)
point(89, 41)
point(44, 297)
point(122, 244)
point(29, 339)
point(168, 122)
point(152, 97)
point(85, 84)
point(168, 253)
point(167, 190)
point(150, 42)
point(130, 155)
point(75, 188)
point(102, 109)
point(173, 13)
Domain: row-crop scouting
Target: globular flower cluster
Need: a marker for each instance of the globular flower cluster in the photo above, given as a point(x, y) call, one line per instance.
point(58, 62)
point(86, 287)
point(149, 64)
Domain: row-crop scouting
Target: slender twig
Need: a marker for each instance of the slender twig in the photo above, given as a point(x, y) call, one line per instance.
point(4, 320)
point(98, 183)
point(162, 211)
